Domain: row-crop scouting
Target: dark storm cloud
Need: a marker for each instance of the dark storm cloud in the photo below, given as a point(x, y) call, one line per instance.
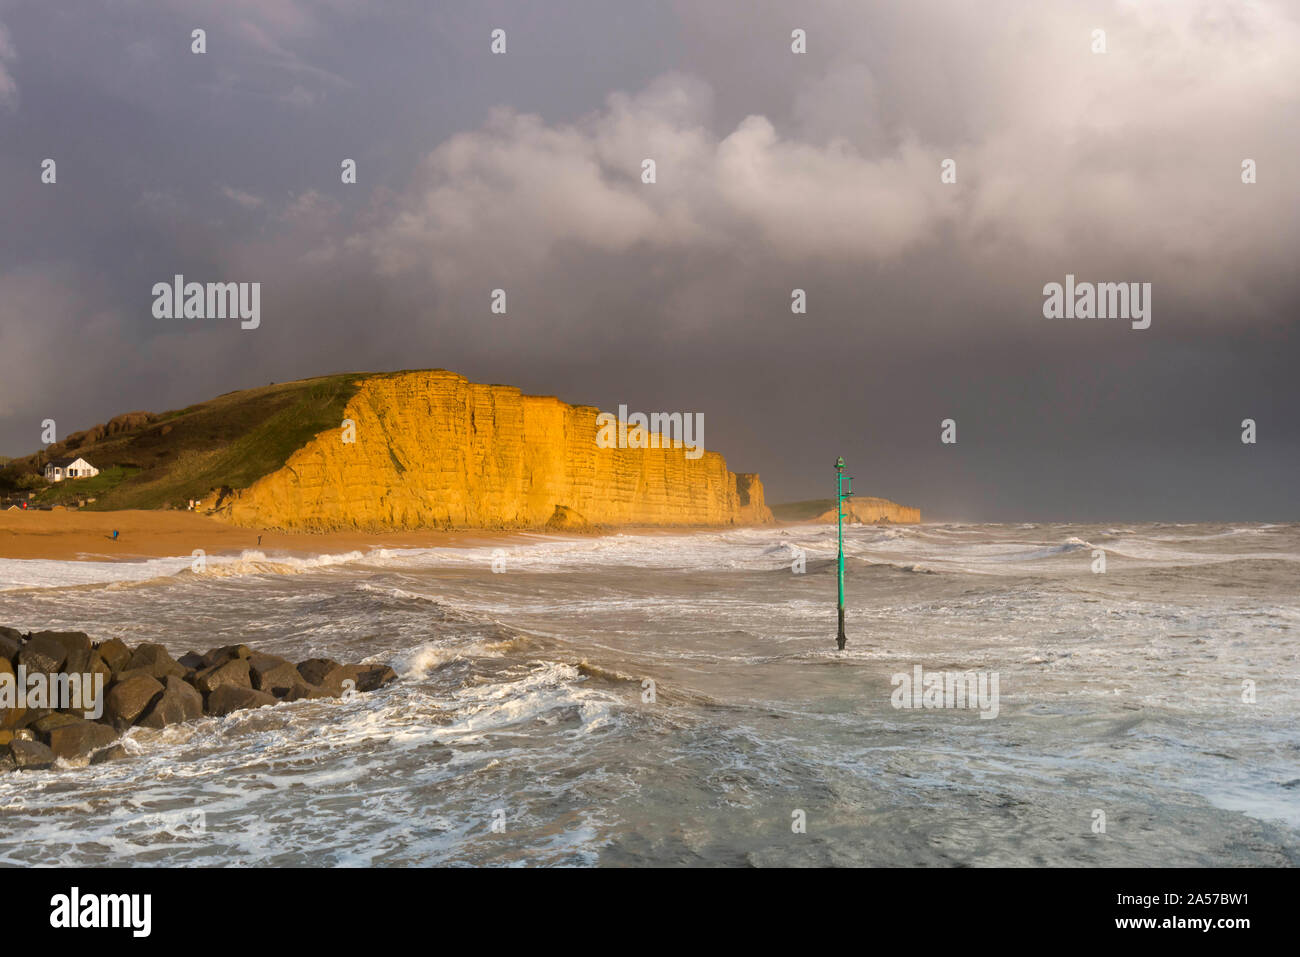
point(774, 171)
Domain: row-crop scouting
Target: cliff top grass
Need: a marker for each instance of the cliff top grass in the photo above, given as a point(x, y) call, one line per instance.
point(163, 460)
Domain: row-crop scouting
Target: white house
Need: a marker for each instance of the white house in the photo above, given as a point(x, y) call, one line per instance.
point(56, 470)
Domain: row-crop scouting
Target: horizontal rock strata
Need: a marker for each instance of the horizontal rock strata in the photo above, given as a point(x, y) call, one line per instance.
point(433, 450)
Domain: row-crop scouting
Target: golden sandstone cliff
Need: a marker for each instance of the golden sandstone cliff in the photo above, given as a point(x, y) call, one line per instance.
point(432, 449)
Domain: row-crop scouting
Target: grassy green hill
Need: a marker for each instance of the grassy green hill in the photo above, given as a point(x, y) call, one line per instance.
point(151, 460)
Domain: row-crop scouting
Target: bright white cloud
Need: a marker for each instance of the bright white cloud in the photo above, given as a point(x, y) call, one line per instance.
point(516, 188)
point(1061, 154)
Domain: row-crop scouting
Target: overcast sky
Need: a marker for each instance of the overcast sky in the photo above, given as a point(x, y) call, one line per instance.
point(775, 171)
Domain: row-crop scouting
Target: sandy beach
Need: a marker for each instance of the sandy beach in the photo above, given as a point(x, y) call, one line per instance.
point(88, 536)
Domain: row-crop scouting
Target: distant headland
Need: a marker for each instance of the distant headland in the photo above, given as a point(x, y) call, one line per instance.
point(864, 510)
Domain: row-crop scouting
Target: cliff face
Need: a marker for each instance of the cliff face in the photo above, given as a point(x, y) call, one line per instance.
point(432, 449)
point(872, 511)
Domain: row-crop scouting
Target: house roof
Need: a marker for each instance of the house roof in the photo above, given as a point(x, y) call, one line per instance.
point(64, 462)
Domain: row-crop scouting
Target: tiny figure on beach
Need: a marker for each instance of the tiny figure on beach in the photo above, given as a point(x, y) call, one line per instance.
point(114, 534)
point(259, 540)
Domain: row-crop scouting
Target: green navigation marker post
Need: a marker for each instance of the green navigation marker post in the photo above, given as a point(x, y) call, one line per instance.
point(843, 490)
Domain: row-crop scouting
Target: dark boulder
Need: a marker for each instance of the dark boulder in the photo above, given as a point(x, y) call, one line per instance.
point(31, 716)
point(300, 691)
point(179, 702)
point(111, 753)
point(114, 752)
point(79, 738)
point(11, 640)
point(54, 720)
point(44, 653)
point(75, 645)
point(362, 678)
point(30, 755)
point(332, 682)
point(12, 718)
point(130, 698)
point(145, 686)
point(154, 659)
point(259, 662)
point(233, 672)
point(98, 666)
point(71, 691)
point(191, 661)
point(314, 670)
point(189, 696)
point(375, 676)
point(115, 653)
point(228, 698)
point(122, 675)
point(219, 656)
point(277, 676)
